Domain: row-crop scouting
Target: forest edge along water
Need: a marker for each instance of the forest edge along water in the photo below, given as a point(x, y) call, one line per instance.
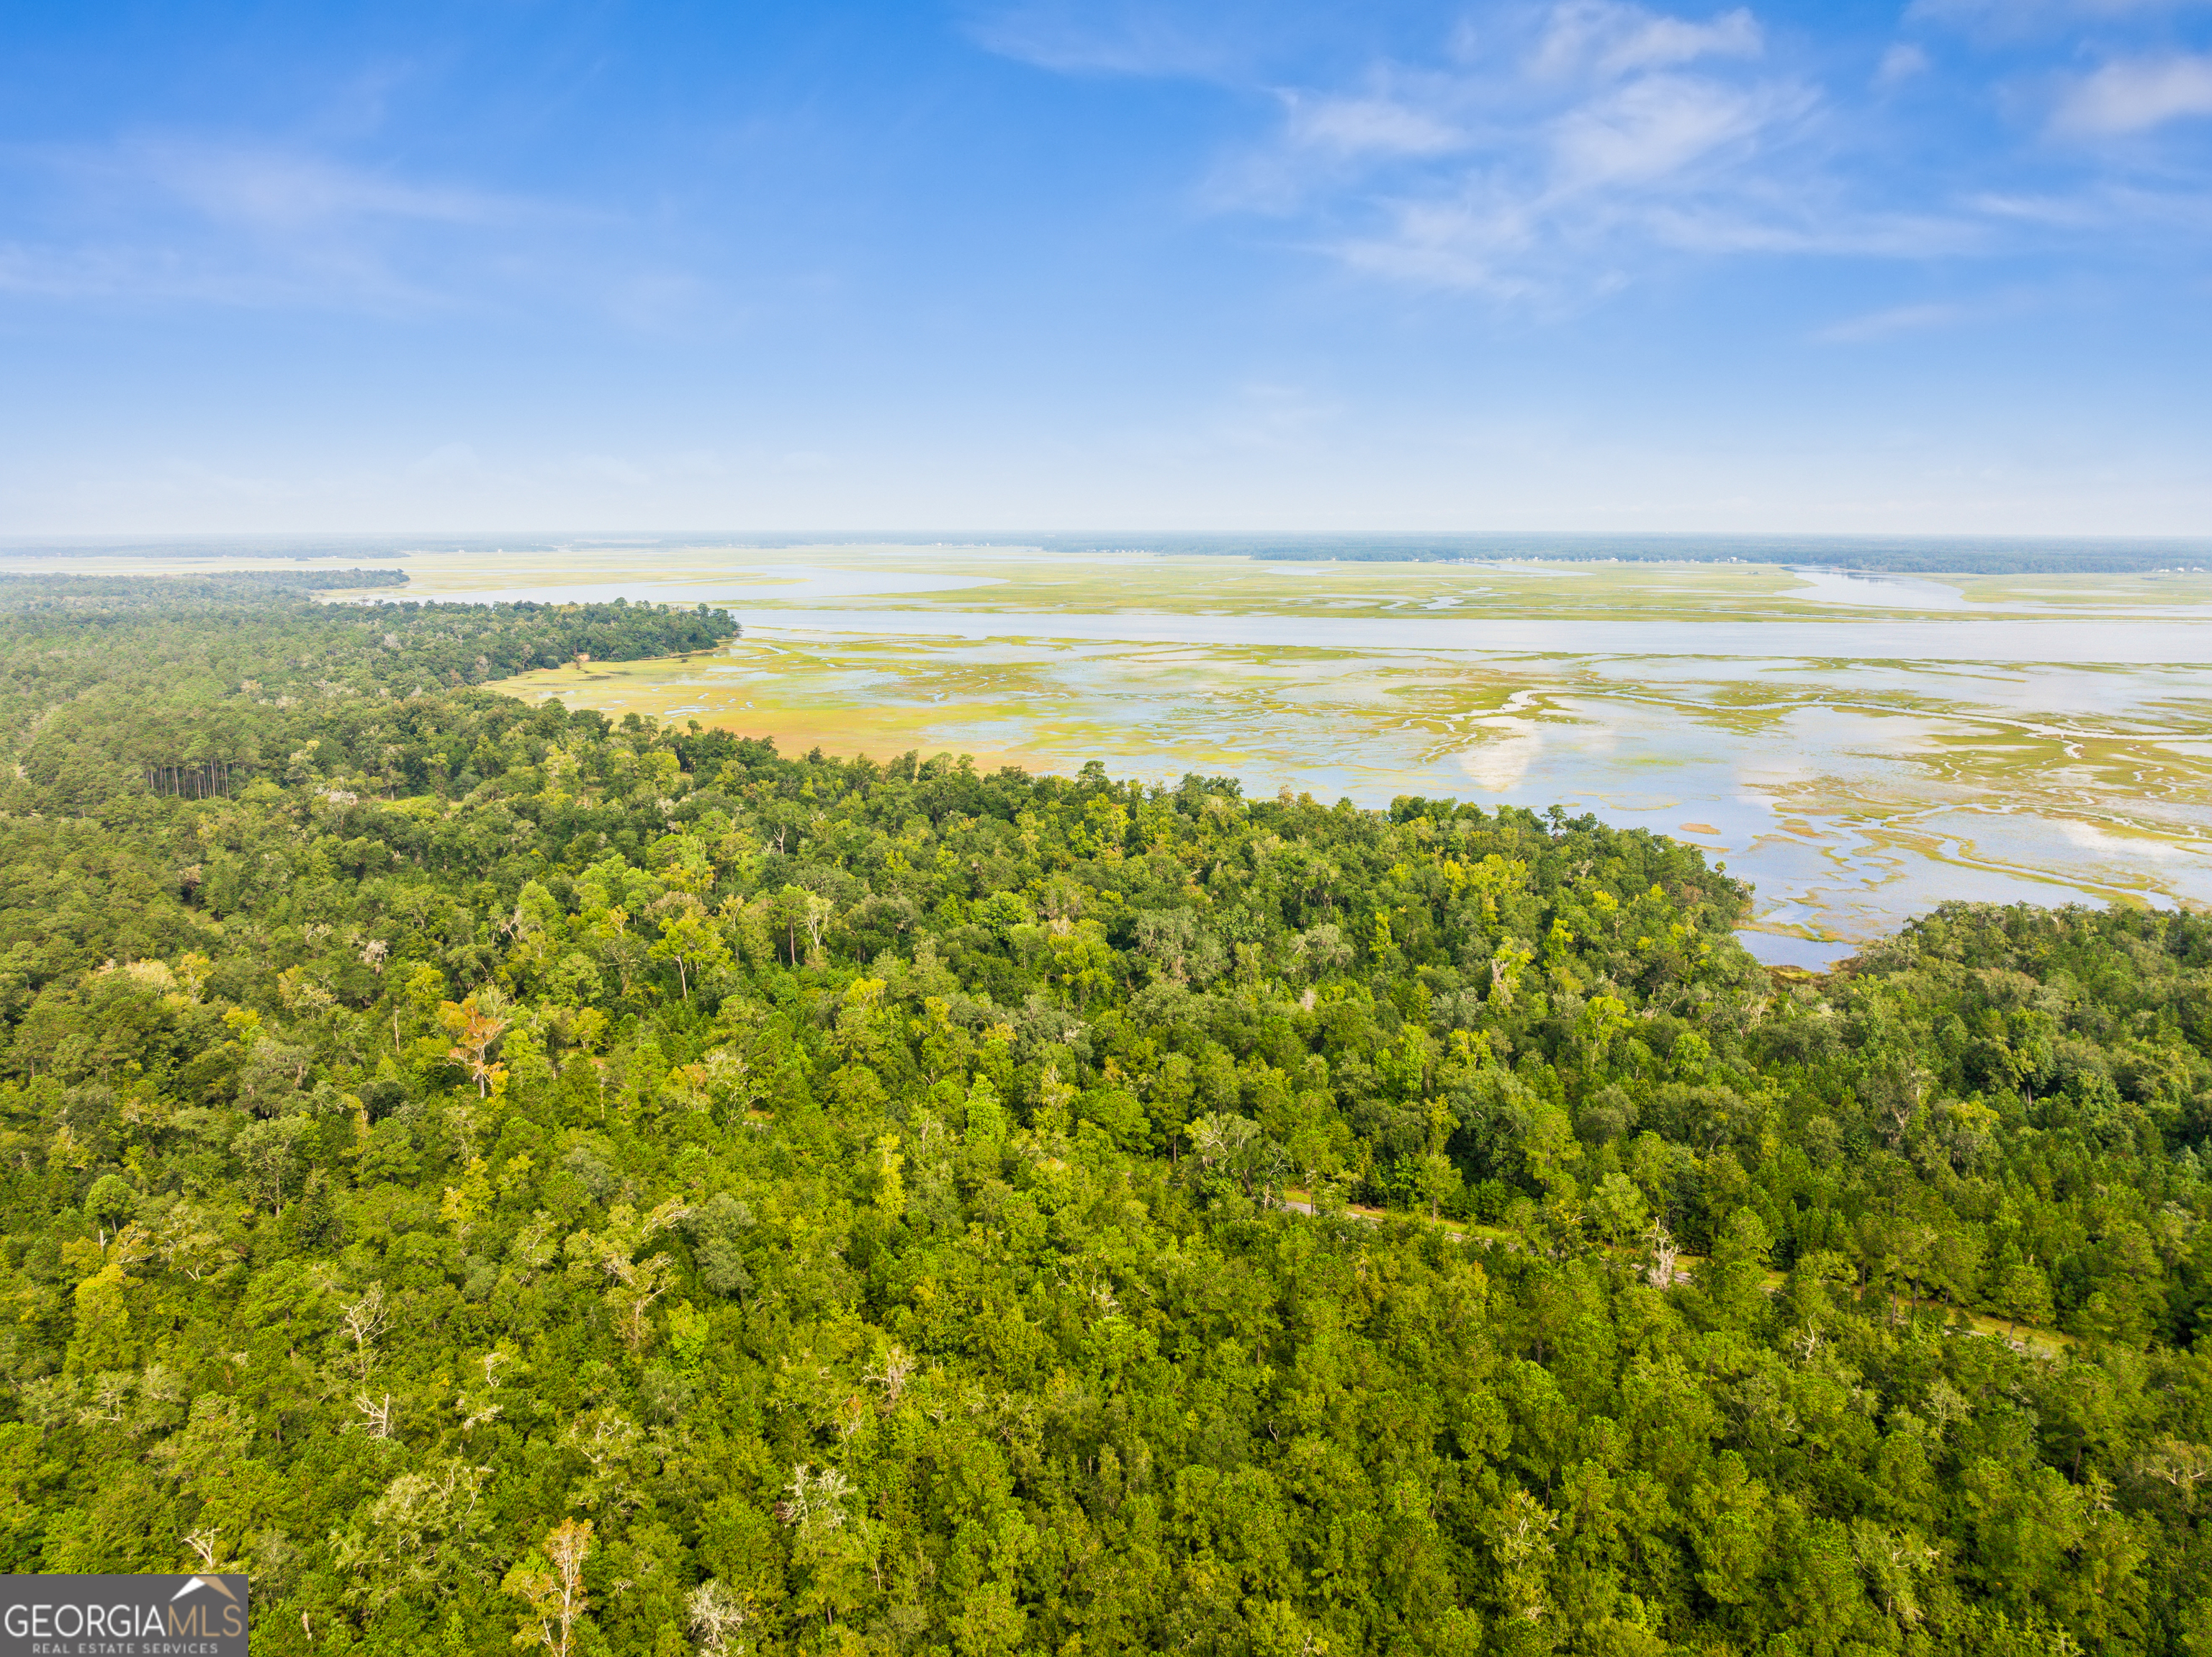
point(1857, 745)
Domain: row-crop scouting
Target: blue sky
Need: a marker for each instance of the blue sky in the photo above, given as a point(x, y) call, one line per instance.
point(1941, 267)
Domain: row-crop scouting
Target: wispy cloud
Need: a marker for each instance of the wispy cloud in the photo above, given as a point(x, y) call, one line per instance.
point(1903, 62)
point(1658, 126)
point(275, 189)
point(1537, 161)
point(168, 272)
point(1606, 39)
point(2106, 213)
point(1887, 324)
point(1126, 38)
point(1552, 151)
point(1381, 124)
point(168, 218)
point(2133, 95)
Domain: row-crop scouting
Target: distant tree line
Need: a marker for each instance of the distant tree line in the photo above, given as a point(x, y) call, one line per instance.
point(1962, 555)
point(112, 593)
point(133, 690)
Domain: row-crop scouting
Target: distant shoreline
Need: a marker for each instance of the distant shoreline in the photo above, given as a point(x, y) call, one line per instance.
point(1918, 555)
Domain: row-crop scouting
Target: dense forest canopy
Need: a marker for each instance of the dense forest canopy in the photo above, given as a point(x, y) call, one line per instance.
point(500, 1176)
point(106, 677)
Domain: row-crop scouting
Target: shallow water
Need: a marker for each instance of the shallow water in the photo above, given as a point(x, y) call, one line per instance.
point(2070, 641)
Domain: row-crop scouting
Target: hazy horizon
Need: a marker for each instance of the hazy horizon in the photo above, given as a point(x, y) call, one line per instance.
point(1092, 536)
point(1956, 554)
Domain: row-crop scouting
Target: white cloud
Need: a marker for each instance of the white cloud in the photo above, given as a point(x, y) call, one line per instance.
point(2133, 95)
point(1606, 39)
point(274, 189)
point(1658, 125)
point(1548, 153)
point(238, 225)
point(1104, 40)
point(72, 272)
point(2105, 214)
point(169, 219)
point(1471, 243)
point(184, 271)
point(1811, 224)
point(1903, 62)
point(1379, 124)
point(2070, 213)
point(1887, 324)
point(1532, 166)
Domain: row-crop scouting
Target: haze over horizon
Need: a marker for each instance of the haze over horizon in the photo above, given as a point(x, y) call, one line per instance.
point(1930, 269)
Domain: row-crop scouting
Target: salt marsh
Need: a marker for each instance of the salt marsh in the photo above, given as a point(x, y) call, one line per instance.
point(1858, 748)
